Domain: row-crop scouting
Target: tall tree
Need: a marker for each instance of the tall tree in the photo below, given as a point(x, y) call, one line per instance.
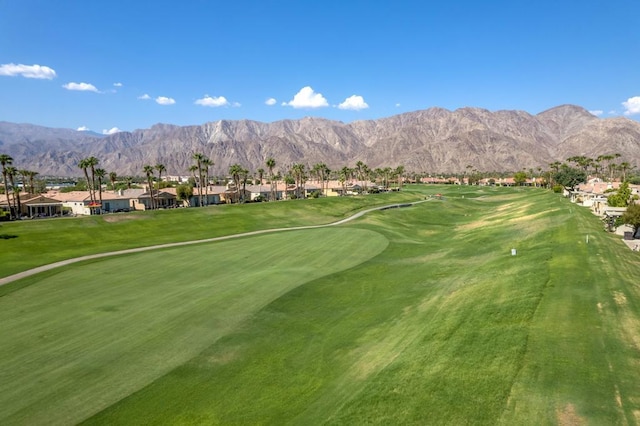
point(236, 171)
point(399, 172)
point(245, 177)
point(271, 164)
point(366, 176)
point(344, 176)
point(12, 172)
point(6, 160)
point(322, 172)
point(199, 158)
point(193, 169)
point(161, 169)
point(31, 175)
point(206, 164)
point(92, 162)
point(84, 165)
point(624, 166)
point(24, 175)
point(260, 176)
point(113, 177)
point(100, 174)
point(148, 170)
point(298, 173)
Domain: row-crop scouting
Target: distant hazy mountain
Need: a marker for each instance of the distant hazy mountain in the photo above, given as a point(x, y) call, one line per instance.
point(432, 140)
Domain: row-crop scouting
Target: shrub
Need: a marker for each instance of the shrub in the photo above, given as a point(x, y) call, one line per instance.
point(558, 188)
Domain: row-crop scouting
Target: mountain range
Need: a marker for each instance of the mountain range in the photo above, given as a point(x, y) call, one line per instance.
point(435, 140)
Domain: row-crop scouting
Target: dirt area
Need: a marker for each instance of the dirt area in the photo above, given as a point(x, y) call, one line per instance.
point(569, 417)
point(121, 217)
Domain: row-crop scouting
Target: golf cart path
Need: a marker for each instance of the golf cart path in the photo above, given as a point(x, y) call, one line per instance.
point(30, 272)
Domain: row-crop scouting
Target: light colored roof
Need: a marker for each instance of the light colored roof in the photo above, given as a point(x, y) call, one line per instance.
point(68, 196)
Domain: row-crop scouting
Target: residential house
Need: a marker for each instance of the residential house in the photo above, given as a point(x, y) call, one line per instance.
point(33, 205)
point(162, 199)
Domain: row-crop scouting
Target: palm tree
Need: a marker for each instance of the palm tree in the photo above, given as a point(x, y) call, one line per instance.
point(206, 162)
point(148, 170)
point(6, 160)
point(12, 172)
point(298, 173)
point(366, 175)
point(245, 176)
point(198, 157)
point(84, 165)
point(31, 176)
point(260, 176)
point(386, 172)
point(113, 177)
point(345, 174)
point(129, 181)
point(399, 171)
point(100, 174)
point(236, 171)
point(624, 166)
point(271, 163)
point(193, 169)
point(24, 174)
point(160, 168)
point(92, 162)
point(359, 169)
point(322, 172)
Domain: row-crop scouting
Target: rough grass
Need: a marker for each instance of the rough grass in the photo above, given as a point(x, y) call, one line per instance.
point(438, 325)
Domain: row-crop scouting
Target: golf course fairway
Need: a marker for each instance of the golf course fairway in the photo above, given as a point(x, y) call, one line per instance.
point(416, 315)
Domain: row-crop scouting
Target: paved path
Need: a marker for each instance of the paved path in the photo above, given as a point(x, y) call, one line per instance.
point(29, 272)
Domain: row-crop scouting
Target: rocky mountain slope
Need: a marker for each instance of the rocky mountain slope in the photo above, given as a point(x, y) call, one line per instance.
point(432, 140)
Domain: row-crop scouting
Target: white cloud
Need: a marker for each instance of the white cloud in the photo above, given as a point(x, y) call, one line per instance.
point(208, 101)
point(83, 129)
point(355, 103)
point(270, 101)
point(236, 104)
point(117, 84)
point(27, 71)
point(163, 100)
point(111, 131)
point(632, 106)
point(612, 112)
point(144, 97)
point(397, 105)
point(307, 98)
point(596, 112)
point(83, 87)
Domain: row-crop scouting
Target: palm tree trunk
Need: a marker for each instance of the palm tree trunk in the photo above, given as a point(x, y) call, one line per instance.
point(6, 192)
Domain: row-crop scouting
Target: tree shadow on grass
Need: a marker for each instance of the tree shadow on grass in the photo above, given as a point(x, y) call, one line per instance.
point(7, 236)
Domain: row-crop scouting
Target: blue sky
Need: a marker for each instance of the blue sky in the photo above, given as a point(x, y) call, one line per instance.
point(107, 65)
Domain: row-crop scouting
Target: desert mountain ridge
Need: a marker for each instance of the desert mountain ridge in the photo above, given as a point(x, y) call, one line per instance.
point(434, 140)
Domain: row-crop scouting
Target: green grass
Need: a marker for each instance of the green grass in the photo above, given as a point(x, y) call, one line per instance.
point(40, 242)
point(405, 316)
